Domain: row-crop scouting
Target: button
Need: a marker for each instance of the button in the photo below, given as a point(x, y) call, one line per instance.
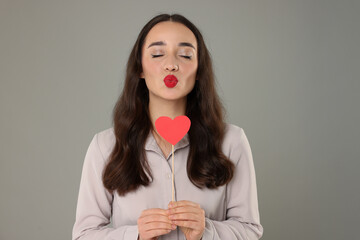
point(169, 175)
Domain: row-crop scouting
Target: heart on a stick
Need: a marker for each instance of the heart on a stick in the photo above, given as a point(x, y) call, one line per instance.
point(173, 130)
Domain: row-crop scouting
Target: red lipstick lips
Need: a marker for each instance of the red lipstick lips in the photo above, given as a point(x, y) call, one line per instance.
point(170, 81)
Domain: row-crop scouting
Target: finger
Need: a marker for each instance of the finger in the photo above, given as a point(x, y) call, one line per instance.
point(154, 225)
point(186, 217)
point(186, 209)
point(198, 226)
point(154, 218)
point(155, 233)
point(183, 203)
point(153, 211)
point(158, 226)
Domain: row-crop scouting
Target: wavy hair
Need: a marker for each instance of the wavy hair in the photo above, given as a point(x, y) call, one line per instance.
point(207, 166)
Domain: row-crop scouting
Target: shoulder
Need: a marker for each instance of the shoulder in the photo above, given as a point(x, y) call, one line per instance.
point(235, 142)
point(233, 135)
point(233, 132)
point(105, 141)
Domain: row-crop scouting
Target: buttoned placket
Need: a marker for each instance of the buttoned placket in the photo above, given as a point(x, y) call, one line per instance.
point(152, 145)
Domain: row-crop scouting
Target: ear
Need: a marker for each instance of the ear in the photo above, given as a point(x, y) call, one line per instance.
point(142, 75)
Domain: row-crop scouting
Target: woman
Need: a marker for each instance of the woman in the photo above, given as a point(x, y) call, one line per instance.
point(127, 174)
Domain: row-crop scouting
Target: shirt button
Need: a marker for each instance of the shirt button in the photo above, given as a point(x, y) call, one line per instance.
point(169, 175)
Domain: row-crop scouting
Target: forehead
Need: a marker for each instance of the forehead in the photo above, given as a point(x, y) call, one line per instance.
point(170, 33)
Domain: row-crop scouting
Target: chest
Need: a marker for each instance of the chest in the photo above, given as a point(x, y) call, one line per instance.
point(127, 209)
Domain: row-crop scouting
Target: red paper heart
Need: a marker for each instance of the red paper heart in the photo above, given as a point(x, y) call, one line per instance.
point(173, 130)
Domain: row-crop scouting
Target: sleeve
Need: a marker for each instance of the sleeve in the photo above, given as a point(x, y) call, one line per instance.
point(242, 213)
point(94, 206)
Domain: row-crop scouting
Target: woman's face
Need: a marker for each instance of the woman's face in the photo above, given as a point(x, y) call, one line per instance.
point(170, 48)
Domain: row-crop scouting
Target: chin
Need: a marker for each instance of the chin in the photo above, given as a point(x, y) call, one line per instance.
point(173, 97)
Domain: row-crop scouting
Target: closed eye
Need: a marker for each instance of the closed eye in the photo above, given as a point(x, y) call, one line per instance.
point(187, 57)
point(184, 56)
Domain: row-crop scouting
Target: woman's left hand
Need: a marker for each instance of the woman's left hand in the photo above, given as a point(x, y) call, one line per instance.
point(189, 216)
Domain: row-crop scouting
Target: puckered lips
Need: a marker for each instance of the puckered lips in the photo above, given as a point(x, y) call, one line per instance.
point(170, 81)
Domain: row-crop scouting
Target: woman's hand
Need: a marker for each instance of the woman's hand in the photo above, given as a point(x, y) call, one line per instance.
point(154, 222)
point(189, 216)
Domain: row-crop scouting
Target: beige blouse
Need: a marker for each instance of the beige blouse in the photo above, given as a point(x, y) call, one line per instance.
point(231, 210)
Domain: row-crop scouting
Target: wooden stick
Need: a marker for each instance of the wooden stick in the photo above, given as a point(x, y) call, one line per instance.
point(173, 186)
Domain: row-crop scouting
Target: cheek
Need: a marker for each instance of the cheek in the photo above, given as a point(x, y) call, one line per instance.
point(191, 70)
point(150, 67)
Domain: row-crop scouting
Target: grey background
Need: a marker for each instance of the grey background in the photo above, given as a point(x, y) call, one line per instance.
point(287, 71)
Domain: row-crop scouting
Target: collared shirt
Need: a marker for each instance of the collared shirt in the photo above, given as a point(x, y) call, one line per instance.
point(231, 211)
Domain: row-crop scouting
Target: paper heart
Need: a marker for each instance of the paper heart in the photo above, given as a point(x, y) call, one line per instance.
point(173, 130)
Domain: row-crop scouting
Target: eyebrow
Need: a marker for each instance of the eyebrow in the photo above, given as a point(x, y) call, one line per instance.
point(182, 44)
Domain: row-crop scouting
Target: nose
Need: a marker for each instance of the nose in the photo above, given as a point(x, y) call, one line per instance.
point(172, 67)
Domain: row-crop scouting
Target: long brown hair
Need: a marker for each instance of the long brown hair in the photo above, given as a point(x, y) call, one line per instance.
point(207, 166)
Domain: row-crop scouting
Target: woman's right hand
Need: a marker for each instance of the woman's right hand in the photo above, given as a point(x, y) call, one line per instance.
point(153, 223)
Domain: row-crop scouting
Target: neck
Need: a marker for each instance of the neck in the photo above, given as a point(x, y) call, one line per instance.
point(160, 107)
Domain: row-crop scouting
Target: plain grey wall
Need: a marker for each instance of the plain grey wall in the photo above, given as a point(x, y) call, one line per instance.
point(288, 73)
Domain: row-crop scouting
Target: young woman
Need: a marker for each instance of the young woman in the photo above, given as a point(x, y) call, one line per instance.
point(127, 173)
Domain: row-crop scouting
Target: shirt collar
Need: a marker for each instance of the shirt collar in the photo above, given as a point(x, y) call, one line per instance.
point(151, 144)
